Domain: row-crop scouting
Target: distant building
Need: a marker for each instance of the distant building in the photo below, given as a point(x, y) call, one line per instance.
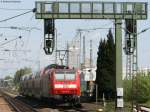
point(144, 71)
point(89, 74)
point(74, 55)
point(87, 63)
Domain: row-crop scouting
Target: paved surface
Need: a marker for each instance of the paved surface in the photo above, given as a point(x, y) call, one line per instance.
point(4, 106)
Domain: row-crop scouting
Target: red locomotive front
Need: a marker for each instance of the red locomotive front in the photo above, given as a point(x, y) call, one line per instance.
point(65, 82)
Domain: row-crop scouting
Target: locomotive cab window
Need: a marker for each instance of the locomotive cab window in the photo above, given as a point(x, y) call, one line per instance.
point(65, 76)
point(70, 76)
point(59, 76)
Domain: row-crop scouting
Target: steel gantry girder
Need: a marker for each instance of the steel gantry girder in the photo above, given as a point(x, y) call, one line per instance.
point(90, 10)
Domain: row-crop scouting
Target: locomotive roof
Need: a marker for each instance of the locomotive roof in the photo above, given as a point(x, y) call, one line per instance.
point(56, 66)
point(65, 70)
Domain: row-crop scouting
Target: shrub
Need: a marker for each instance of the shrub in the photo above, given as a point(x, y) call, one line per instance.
point(141, 92)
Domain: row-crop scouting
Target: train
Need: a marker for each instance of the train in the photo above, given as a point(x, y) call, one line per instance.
point(53, 82)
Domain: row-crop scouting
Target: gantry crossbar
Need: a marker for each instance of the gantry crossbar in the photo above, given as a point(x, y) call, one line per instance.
point(91, 10)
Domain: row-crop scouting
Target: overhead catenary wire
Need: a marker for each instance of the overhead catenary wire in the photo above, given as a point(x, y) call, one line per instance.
point(4, 20)
point(10, 1)
point(21, 28)
point(10, 41)
point(11, 9)
point(14, 50)
point(100, 28)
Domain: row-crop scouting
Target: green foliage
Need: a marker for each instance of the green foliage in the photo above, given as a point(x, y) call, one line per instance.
point(105, 73)
point(127, 90)
point(142, 92)
point(8, 77)
point(143, 89)
point(110, 107)
point(20, 73)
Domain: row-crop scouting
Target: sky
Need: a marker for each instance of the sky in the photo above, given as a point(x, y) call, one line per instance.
point(30, 48)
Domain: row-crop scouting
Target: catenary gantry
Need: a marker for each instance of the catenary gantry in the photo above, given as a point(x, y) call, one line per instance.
point(91, 10)
point(132, 11)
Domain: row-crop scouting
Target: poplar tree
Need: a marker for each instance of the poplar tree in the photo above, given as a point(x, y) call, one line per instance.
point(105, 73)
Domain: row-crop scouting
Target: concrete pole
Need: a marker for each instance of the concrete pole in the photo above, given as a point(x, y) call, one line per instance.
point(67, 60)
point(84, 51)
point(96, 94)
point(119, 87)
point(80, 33)
point(91, 53)
point(56, 47)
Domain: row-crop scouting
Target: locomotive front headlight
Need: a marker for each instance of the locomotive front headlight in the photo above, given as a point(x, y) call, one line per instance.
point(58, 86)
point(72, 86)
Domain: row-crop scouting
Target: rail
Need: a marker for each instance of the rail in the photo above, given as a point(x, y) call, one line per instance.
point(142, 108)
point(18, 105)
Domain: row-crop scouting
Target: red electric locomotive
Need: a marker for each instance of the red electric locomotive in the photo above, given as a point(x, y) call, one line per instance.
point(53, 82)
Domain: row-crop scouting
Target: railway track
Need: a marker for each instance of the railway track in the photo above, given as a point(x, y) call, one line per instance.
point(35, 105)
point(23, 104)
point(142, 108)
point(46, 106)
point(15, 104)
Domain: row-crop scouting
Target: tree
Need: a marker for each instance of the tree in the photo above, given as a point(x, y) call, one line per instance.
point(141, 93)
point(8, 77)
point(19, 73)
point(105, 73)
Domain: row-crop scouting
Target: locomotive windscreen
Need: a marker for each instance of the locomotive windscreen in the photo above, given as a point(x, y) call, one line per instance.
point(65, 76)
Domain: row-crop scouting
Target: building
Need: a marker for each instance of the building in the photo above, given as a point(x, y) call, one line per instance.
point(74, 55)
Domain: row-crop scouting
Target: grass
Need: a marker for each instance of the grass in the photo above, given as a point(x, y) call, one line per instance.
point(110, 107)
point(147, 104)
